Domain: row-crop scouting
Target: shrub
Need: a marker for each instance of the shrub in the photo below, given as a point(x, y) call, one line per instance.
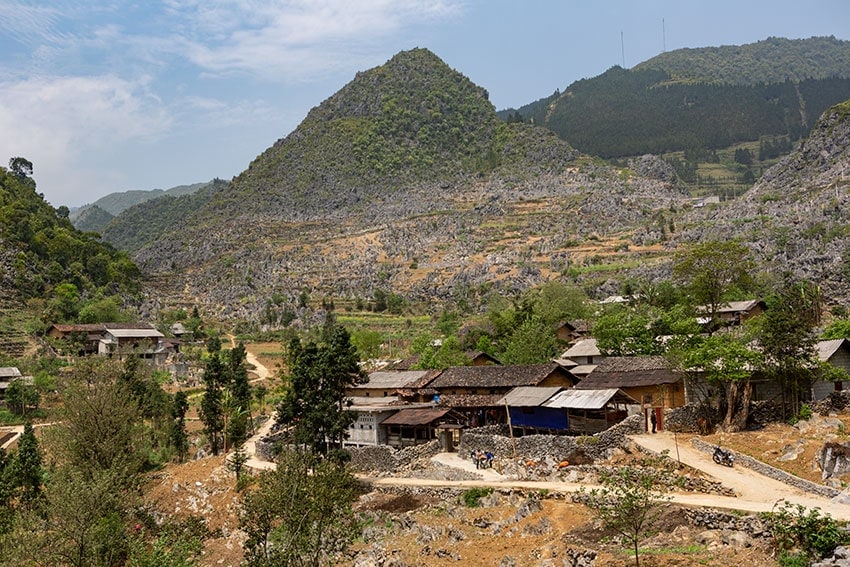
point(472, 496)
point(796, 528)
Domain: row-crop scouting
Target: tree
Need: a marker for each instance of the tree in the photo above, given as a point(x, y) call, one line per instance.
point(20, 396)
point(101, 423)
point(21, 167)
point(314, 399)
point(727, 362)
point(533, 342)
point(27, 465)
point(786, 334)
point(625, 331)
point(177, 433)
point(301, 513)
point(629, 502)
point(713, 273)
point(211, 411)
point(240, 390)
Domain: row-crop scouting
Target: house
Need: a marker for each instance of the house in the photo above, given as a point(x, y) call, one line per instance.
point(125, 338)
point(481, 358)
point(734, 313)
point(584, 352)
point(475, 391)
point(84, 336)
point(180, 331)
point(8, 374)
point(648, 379)
point(527, 413)
point(572, 331)
point(388, 383)
point(837, 353)
point(551, 410)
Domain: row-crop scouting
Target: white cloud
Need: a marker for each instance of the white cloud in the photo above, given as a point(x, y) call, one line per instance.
point(294, 39)
point(60, 123)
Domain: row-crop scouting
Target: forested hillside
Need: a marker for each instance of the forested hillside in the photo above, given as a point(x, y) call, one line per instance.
point(143, 223)
point(704, 98)
point(44, 257)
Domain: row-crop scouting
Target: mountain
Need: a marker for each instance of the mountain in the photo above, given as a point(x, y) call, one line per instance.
point(405, 180)
point(149, 220)
point(705, 98)
point(797, 216)
point(115, 203)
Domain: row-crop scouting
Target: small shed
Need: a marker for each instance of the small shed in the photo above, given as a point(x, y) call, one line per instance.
point(591, 411)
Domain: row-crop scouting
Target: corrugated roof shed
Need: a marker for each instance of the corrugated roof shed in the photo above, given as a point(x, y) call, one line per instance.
point(586, 399)
point(529, 396)
point(629, 372)
point(415, 416)
point(492, 376)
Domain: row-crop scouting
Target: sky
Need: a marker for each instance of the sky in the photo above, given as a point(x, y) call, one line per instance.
point(111, 95)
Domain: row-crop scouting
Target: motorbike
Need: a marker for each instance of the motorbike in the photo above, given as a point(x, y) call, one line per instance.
point(722, 457)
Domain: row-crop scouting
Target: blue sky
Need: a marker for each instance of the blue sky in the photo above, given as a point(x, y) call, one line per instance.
point(111, 95)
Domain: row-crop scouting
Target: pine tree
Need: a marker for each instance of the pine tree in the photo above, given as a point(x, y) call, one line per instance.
point(211, 412)
point(177, 434)
point(27, 465)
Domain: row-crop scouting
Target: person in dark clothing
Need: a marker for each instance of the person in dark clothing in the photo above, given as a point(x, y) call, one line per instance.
point(652, 419)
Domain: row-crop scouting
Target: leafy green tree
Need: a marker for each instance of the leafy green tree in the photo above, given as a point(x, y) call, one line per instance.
point(313, 401)
point(533, 342)
point(713, 273)
point(20, 396)
point(837, 329)
point(368, 343)
point(27, 465)
point(626, 331)
point(102, 427)
point(554, 302)
point(438, 353)
point(629, 502)
point(786, 335)
point(726, 361)
point(301, 513)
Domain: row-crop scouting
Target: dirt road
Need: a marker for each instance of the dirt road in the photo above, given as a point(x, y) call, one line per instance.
point(756, 493)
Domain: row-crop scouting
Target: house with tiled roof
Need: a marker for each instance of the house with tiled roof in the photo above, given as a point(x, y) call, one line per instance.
point(475, 391)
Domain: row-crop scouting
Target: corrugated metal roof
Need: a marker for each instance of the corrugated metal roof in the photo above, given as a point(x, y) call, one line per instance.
point(583, 369)
point(584, 347)
point(415, 416)
point(396, 379)
point(529, 396)
point(581, 399)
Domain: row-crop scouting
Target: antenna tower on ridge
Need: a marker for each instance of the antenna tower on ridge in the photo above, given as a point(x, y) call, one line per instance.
point(622, 49)
point(663, 37)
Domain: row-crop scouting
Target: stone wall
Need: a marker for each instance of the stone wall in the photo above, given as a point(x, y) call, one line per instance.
point(556, 448)
point(771, 472)
point(386, 459)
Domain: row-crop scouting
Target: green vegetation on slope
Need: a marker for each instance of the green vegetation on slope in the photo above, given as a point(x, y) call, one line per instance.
point(46, 256)
point(706, 98)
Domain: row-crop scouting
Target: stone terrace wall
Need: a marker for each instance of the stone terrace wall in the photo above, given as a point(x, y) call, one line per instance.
point(771, 472)
point(556, 447)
